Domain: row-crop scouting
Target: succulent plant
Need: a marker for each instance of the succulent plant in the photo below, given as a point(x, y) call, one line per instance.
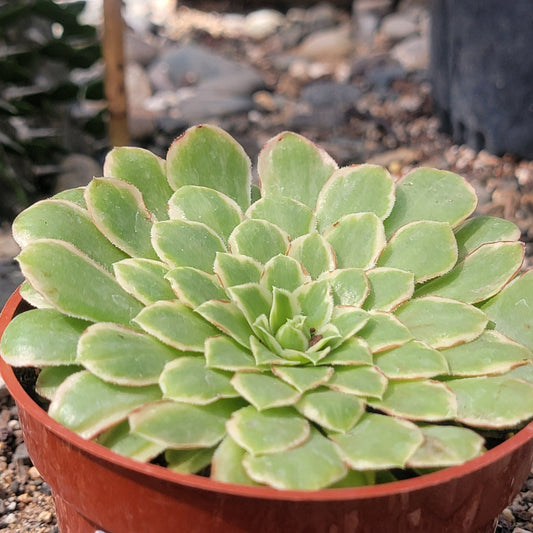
point(322, 330)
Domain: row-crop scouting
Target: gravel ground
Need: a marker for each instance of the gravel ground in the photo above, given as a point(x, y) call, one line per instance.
point(390, 123)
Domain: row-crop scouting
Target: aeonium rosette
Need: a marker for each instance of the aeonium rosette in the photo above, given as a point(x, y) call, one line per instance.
point(319, 331)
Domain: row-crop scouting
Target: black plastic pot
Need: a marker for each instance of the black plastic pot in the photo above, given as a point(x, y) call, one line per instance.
point(482, 73)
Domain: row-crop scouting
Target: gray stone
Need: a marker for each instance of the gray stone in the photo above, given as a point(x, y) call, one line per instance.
point(139, 49)
point(398, 26)
point(4, 393)
point(141, 119)
point(327, 45)
point(330, 94)
point(412, 53)
point(76, 171)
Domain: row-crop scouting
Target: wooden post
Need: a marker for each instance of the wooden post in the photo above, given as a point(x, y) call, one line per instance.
point(115, 87)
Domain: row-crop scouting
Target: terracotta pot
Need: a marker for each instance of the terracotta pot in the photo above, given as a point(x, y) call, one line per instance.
point(95, 488)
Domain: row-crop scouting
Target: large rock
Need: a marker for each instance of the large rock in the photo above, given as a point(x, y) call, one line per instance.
point(327, 45)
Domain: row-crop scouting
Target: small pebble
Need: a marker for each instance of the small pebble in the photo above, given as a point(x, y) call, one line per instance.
point(34, 473)
point(45, 517)
point(10, 519)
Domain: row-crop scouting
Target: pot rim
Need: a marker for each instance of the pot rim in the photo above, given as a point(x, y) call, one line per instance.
point(266, 493)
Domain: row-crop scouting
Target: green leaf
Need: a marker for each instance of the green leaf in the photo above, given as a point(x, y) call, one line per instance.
point(183, 426)
point(227, 317)
point(384, 331)
point(425, 248)
point(266, 353)
point(41, 337)
point(194, 287)
point(208, 156)
point(28, 293)
point(123, 356)
point(187, 380)
point(144, 279)
point(365, 381)
point(290, 469)
point(349, 285)
point(348, 320)
point(120, 440)
point(75, 196)
point(183, 243)
point(284, 272)
point(351, 352)
point(304, 378)
point(188, 461)
point(291, 337)
point(227, 463)
point(252, 299)
point(430, 194)
point(258, 239)
point(330, 409)
point(118, 211)
point(417, 400)
point(50, 377)
point(145, 171)
point(491, 353)
point(482, 274)
point(290, 165)
point(354, 478)
point(510, 310)
point(290, 215)
point(175, 324)
point(413, 360)
point(492, 401)
point(368, 445)
point(74, 284)
point(284, 307)
point(446, 446)
point(225, 354)
point(87, 405)
point(355, 189)
point(441, 322)
point(314, 253)
point(524, 372)
point(234, 269)
point(269, 431)
point(199, 204)
point(474, 232)
point(357, 240)
point(66, 221)
point(316, 302)
point(389, 287)
point(264, 391)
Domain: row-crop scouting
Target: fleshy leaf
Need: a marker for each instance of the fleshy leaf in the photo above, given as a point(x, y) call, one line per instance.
point(284, 307)
point(425, 248)
point(199, 204)
point(87, 405)
point(510, 310)
point(482, 274)
point(524, 372)
point(430, 194)
point(264, 354)
point(357, 240)
point(368, 445)
point(183, 426)
point(355, 189)
point(314, 253)
point(354, 351)
point(384, 331)
point(492, 401)
point(304, 378)
point(118, 211)
point(189, 461)
point(389, 287)
point(176, 324)
point(194, 287)
point(269, 431)
point(264, 391)
point(227, 463)
point(359, 380)
point(283, 272)
point(145, 171)
point(291, 337)
point(144, 279)
point(290, 215)
point(225, 354)
point(184, 243)
point(206, 155)
point(187, 380)
point(316, 302)
point(34, 298)
point(252, 299)
point(227, 317)
point(331, 409)
point(349, 286)
point(290, 165)
point(41, 337)
point(51, 377)
point(290, 470)
point(441, 322)
point(474, 232)
point(446, 446)
point(234, 269)
point(413, 360)
point(491, 353)
point(123, 356)
point(258, 239)
point(92, 294)
point(417, 400)
point(66, 221)
point(349, 320)
point(75, 196)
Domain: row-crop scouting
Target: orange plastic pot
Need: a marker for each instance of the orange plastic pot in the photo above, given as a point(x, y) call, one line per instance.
point(96, 489)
